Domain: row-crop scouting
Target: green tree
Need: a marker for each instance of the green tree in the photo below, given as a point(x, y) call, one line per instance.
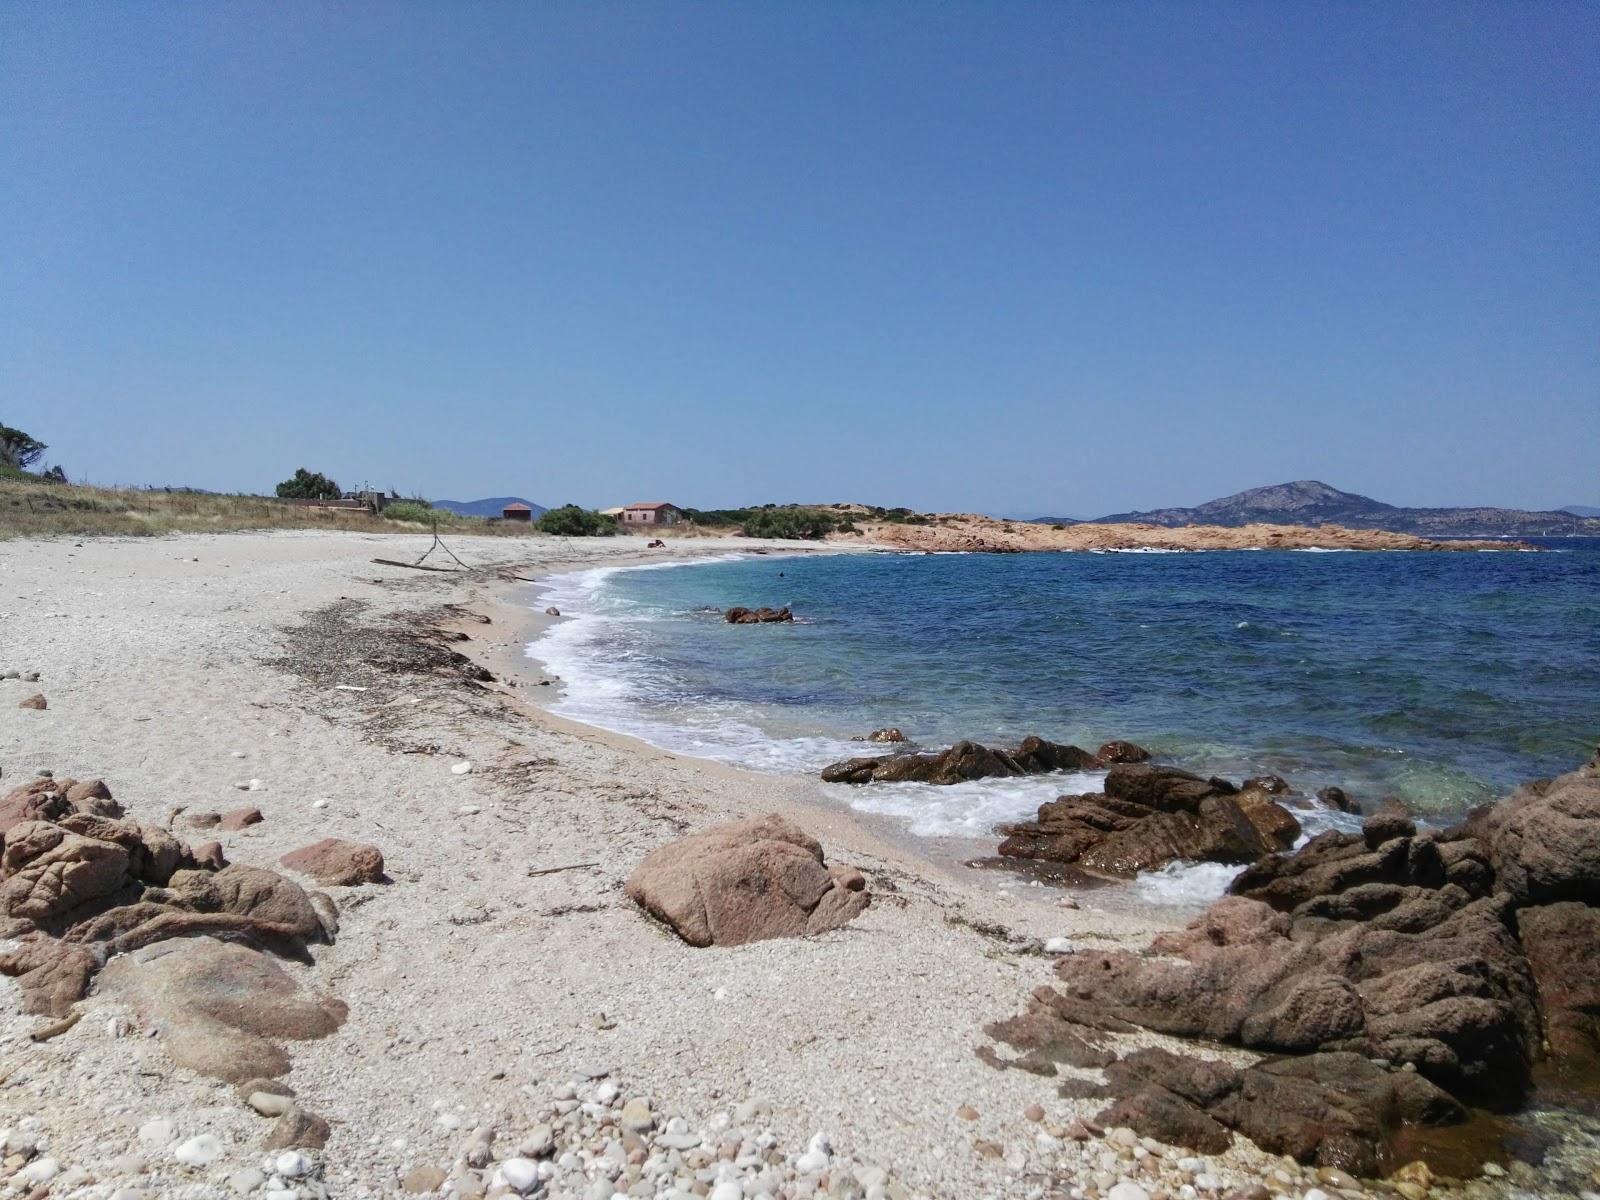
point(19, 450)
point(308, 485)
point(571, 521)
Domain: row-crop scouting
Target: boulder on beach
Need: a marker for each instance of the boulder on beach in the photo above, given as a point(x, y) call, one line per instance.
point(965, 760)
point(1462, 956)
point(748, 881)
point(1122, 752)
point(334, 862)
point(36, 702)
point(757, 616)
point(224, 1009)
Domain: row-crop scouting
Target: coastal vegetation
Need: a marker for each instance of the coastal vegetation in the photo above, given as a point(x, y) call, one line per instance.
point(308, 485)
point(572, 521)
point(787, 521)
point(30, 506)
point(18, 450)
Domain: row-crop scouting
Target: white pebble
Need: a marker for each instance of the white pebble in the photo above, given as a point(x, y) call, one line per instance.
point(1316, 1194)
point(158, 1132)
point(1060, 945)
point(519, 1174)
point(469, 810)
point(1127, 1190)
point(40, 1170)
point(461, 768)
point(319, 804)
point(727, 1190)
point(291, 1164)
point(199, 1151)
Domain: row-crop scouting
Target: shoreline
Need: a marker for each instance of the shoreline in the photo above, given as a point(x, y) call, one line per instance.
point(501, 963)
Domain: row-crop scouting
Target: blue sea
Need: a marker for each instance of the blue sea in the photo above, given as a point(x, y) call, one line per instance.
point(1443, 679)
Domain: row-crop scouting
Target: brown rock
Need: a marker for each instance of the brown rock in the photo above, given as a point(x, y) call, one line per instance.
point(1545, 844)
point(421, 1180)
point(240, 818)
point(202, 820)
point(41, 800)
point(965, 760)
point(1122, 752)
point(52, 976)
point(46, 871)
point(35, 701)
point(887, 735)
point(209, 856)
point(759, 616)
point(297, 1129)
point(1338, 798)
point(967, 1113)
point(751, 880)
point(336, 863)
point(1561, 941)
point(223, 1008)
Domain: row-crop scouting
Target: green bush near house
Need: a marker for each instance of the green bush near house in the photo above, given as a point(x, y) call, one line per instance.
point(571, 521)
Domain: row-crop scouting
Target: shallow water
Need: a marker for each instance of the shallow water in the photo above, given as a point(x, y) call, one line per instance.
point(1441, 678)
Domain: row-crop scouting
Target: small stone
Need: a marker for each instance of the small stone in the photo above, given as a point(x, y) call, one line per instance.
point(1414, 1172)
point(1034, 1113)
point(592, 1071)
point(461, 768)
point(199, 1151)
point(37, 702)
point(1127, 1190)
point(128, 1193)
point(30, 677)
point(1316, 1194)
point(268, 1104)
point(1494, 1170)
point(967, 1113)
point(679, 1141)
point(1067, 902)
point(727, 1190)
point(537, 1144)
point(468, 810)
point(1411, 1191)
point(637, 1117)
point(296, 1127)
point(519, 1174)
point(423, 1180)
point(478, 1150)
point(1060, 945)
point(40, 1171)
point(291, 1164)
point(157, 1132)
point(246, 1180)
point(1335, 1178)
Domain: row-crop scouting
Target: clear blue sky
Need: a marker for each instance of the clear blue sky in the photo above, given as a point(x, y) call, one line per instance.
point(1064, 257)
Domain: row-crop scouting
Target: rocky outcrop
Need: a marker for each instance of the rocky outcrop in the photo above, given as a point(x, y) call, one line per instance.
point(1459, 958)
point(80, 884)
point(964, 760)
point(1149, 816)
point(748, 881)
point(224, 1009)
point(333, 862)
point(1122, 752)
point(756, 616)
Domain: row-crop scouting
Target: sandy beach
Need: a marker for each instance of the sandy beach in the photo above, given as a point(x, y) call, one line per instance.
point(179, 669)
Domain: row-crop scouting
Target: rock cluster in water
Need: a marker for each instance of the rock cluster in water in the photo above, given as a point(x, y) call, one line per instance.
point(1149, 816)
point(756, 616)
point(1396, 975)
point(970, 760)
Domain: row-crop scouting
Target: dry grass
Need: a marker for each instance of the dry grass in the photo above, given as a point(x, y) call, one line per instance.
point(29, 508)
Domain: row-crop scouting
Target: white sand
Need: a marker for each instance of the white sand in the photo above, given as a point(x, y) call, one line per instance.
point(467, 979)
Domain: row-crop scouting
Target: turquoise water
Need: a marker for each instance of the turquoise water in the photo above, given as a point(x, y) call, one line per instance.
point(1443, 679)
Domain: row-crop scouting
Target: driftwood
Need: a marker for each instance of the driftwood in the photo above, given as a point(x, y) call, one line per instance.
point(389, 562)
point(55, 1028)
point(556, 870)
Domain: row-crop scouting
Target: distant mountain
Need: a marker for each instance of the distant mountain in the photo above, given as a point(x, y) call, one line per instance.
point(1582, 510)
point(1309, 502)
point(487, 508)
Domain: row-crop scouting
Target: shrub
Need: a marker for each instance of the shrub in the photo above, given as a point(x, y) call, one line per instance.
point(417, 510)
point(571, 521)
point(788, 523)
point(19, 450)
point(308, 485)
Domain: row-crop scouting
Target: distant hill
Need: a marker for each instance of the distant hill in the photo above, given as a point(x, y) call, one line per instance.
point(487, 508)
point(1582, 510)
point(1309, 502)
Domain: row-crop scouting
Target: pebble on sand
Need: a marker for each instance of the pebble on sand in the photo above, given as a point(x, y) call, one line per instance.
point(199, 1151)
point(461, 768)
